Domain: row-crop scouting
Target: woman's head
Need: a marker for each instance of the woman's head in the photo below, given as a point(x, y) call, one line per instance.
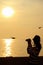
point(28, 40)
point(36, 39)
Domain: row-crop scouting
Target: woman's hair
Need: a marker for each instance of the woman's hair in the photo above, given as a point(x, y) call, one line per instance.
point(36, 40)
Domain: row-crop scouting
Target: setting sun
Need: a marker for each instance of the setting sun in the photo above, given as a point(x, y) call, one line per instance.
point(7, 11)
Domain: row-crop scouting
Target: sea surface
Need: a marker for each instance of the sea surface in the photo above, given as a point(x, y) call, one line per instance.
point(12, 47)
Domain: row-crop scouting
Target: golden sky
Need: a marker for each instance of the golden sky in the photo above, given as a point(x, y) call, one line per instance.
point(25, 22)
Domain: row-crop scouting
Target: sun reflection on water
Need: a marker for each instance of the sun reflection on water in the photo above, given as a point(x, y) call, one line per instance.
point(7, 46)
point(8, 41)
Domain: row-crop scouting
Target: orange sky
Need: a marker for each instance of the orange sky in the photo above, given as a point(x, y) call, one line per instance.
point(25, 22)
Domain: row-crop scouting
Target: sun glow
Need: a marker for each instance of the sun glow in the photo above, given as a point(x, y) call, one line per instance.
point(7, 11)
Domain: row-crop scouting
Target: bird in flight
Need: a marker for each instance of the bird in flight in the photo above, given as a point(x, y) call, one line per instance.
point(12, 37)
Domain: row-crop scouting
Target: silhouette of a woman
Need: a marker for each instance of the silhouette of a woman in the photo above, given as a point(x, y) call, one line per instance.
point(37, 45)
